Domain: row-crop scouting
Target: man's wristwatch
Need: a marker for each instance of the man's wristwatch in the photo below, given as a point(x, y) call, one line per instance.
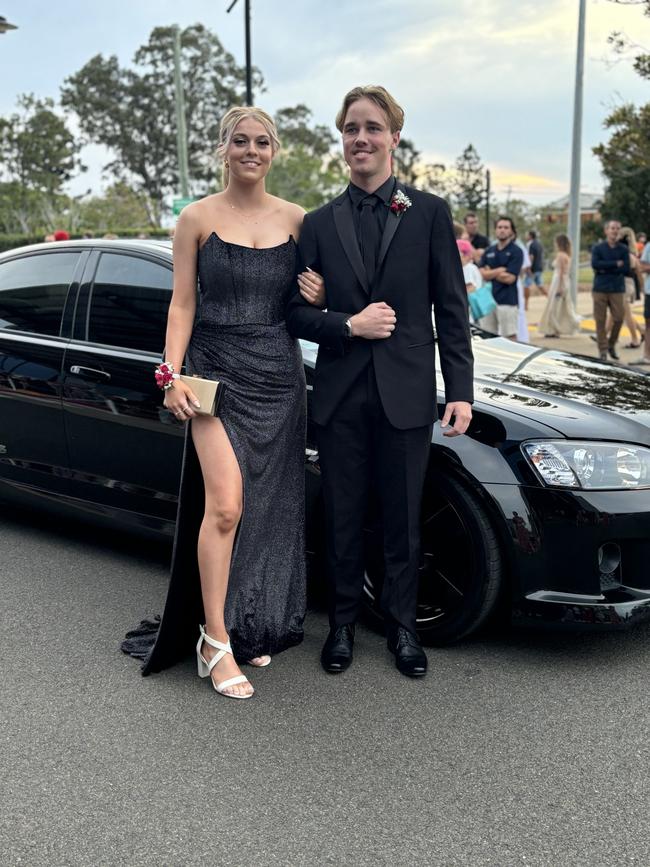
point(348, 328)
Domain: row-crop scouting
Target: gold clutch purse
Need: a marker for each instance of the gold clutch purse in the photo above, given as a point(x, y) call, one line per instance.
point(208, 392)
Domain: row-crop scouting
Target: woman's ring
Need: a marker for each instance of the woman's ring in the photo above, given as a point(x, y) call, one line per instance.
point(180, 412)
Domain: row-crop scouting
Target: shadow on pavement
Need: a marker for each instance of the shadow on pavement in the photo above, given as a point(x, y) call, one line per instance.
point(85, 533)
point(499, 638)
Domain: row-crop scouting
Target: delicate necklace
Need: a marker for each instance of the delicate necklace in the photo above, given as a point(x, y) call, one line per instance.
point(245, 216)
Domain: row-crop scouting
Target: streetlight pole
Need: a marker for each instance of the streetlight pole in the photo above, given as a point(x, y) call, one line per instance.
point(181, 131)
point(574, 195)
point(5, 25)
point(247, 25)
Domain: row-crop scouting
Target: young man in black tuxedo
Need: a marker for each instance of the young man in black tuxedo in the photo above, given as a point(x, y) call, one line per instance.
point(387, 252)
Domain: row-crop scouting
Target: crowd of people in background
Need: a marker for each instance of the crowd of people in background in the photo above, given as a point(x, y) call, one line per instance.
point(509, 269)
point(621, 265)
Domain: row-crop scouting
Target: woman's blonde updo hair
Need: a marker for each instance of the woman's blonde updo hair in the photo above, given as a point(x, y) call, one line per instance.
point(229, 123)
point(627, 233)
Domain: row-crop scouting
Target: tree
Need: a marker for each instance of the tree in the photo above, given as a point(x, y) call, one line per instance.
point(119, 208)
point(38, 154)
point(294, 130)
point(469, 183)
point(410, 169)
point(307, 170)
point(132, 111)
point(20, 210)
point(626, 47)
point(406, 162)
point(625, 161)
point(37, 148)
point(522, 213)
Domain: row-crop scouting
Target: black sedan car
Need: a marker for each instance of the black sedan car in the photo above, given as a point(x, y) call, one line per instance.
point(542, 508)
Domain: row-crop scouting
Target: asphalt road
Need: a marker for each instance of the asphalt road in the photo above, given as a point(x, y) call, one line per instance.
point(518, 748)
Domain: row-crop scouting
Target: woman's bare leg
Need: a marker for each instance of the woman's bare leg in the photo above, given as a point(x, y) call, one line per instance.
point(223, 509)
point(630, 321)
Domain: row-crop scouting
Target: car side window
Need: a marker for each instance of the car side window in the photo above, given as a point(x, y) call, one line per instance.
point(33, 290)
point(129, 302)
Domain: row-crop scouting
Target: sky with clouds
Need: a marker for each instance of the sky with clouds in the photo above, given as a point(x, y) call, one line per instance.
point(496, 73)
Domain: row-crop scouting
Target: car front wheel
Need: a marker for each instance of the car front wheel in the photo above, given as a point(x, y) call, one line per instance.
point(461, 570)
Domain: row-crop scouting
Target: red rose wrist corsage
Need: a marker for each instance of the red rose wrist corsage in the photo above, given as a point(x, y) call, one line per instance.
point(165, 375)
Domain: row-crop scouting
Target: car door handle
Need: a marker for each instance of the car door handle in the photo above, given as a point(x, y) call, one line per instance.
point(90, 372)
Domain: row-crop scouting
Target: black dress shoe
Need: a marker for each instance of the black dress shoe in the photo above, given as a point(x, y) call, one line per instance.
point(337, 650)
point(410, 659)
point(613, 353)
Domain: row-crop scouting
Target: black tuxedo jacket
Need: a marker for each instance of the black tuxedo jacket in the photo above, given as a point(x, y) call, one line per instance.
point(418, 265)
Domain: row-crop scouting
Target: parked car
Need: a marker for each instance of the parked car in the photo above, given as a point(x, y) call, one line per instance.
point(544, 506)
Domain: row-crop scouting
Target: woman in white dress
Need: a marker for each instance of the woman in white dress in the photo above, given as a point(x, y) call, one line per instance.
point(559, 316)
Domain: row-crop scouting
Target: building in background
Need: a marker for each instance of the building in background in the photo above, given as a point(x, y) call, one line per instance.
point(558, 211)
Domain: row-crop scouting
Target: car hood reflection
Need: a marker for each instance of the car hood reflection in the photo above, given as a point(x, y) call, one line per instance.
point(553, 383)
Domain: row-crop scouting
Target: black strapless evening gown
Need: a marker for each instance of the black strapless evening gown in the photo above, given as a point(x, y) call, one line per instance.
point(241, 339)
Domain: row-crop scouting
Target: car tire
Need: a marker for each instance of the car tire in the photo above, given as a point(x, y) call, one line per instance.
point(461, 570)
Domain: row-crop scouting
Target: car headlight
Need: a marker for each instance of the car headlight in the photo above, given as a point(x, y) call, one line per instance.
point(595, 466)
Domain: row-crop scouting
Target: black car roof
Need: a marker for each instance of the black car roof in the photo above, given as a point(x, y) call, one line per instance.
point(153, 245)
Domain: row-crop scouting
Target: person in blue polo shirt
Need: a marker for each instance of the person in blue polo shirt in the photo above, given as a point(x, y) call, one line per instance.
point(501, 264)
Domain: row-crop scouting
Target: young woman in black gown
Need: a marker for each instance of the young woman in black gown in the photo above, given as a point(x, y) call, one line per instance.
point(242, 486)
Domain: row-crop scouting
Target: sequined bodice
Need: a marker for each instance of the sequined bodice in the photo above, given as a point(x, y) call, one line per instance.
point(244, 285)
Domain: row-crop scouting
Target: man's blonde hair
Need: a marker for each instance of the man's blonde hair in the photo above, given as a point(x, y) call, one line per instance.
point(229, 123)
point(381, 97)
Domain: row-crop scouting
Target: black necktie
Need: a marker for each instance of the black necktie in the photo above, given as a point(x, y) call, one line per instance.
point(369, 232)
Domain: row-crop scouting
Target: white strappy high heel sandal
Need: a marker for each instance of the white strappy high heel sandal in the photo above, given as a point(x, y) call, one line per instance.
point(260, 661)
point(205, 668)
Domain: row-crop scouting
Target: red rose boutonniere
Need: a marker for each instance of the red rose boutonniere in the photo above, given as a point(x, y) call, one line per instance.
point(399, 203)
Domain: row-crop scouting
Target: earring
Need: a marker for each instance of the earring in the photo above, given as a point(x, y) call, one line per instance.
point(226, 164)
